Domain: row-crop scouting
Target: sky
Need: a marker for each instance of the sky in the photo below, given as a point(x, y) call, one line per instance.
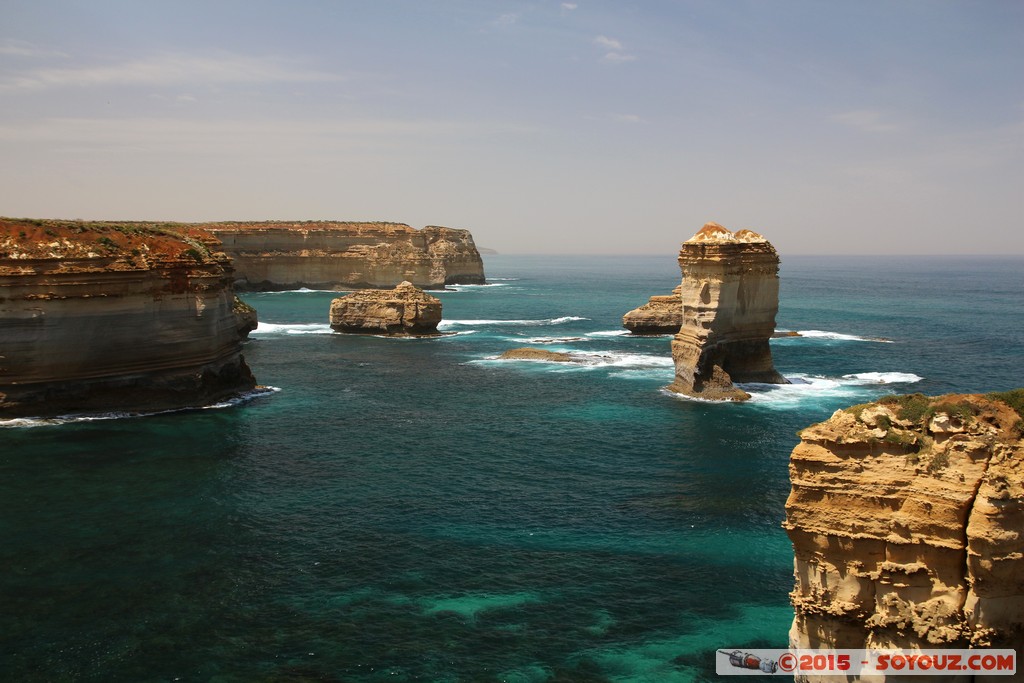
point(589, 127)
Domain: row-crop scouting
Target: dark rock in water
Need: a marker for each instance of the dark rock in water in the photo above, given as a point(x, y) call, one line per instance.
point(404, 310)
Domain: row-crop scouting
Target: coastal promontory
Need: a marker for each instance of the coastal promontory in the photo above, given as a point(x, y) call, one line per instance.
point(347, 255)
point(101, 316)
point(907, 522)
point(405, 310)
point(729, 298)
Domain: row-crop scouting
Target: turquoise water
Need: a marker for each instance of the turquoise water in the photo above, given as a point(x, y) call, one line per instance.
point(413, 510)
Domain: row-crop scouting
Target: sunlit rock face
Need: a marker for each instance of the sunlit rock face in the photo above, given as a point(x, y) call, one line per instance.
point(662, 314)
point(729, 298)
point(116, 316)
point(348, 255)
point(907, 523)
point(404, 310)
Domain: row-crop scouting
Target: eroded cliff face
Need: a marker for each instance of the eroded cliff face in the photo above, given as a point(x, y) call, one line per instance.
point(660, 315)
point(404, 310)
point(729, 297)
point(342, 255)
point(907, 523)
point(115, 316)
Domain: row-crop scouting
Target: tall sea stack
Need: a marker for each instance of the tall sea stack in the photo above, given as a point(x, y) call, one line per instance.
point(730, 296)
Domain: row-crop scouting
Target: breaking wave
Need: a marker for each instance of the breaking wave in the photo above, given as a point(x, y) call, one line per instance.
point(837, 336)
point(477, 323)
point(22, 422)
point(292, 328)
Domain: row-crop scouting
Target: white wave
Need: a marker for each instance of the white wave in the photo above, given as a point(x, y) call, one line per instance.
point(489, 284)
point(478, 323)
point(549, 340)
point(624, 360)
point(304, 290)
point(608, 333)
point(292, 328)
point(885, 377)
point(121, 415)
point(837, 336)
point(595, 359)
point(502, 279)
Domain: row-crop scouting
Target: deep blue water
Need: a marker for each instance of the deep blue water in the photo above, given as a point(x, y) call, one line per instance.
point(411, 510)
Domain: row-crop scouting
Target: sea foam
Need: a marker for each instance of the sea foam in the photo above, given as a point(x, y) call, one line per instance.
point(22, 422)
point(837, 336)
point(478, 323)
point(292, 328)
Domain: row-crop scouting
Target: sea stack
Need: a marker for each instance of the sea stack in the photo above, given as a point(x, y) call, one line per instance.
point(660, 315)
point(907, 523)
point(101, 316)
point(403, 311)
point(729, 297)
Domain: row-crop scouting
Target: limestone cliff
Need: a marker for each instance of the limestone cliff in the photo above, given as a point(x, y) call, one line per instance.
point(343, 255)
point(404, 310)
point(115, 316)
point(907, 523)
point(730, 295)
point(660, 315)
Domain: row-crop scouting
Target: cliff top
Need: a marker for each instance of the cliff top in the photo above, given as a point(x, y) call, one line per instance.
point(404, 291)
point(714, 233)
point(118, 245)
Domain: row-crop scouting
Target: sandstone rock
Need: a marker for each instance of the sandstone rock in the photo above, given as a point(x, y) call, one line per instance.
point(660, 315)
point(107, 316)
point(404, 310)
point(347, 255)
point(528, 353)
point(914, 539)
point(730, 296)
point(245, 316)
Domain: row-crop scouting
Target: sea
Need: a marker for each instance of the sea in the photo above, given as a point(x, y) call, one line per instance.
point(394, 509)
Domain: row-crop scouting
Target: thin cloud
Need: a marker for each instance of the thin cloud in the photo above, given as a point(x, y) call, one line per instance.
point(607, 43)
point(506, 19)
point(569, 6)
point(183, 136)
point(616, 53)
point(628, 118)
point(19, 48)
point(867, 120)
point(167, 70)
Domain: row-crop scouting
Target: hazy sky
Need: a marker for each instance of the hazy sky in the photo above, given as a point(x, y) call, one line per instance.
point(551, 127)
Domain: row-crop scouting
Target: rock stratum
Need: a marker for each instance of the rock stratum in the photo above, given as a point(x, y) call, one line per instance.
point(907, 523)
point(108, 316)
point(661, 314)
point(404, 310)
point(729, 297)
point(348, 255)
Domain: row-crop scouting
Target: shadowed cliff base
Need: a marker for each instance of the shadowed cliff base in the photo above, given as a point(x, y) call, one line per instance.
point(906, 519)
point(116, 316)
point(729, 298)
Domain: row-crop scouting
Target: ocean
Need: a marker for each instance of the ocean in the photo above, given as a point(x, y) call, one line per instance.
point(415, 510)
